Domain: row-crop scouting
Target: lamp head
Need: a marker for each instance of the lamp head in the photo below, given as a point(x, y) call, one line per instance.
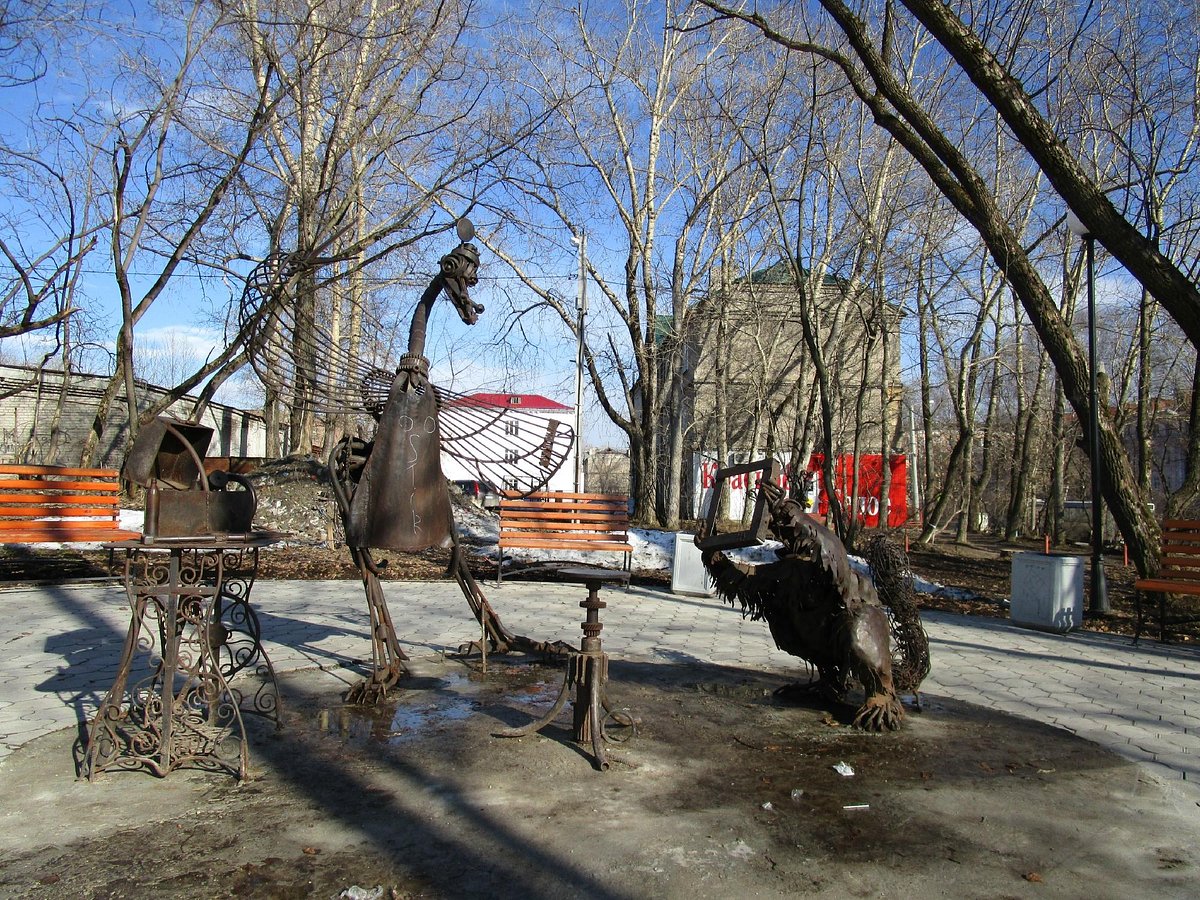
point(1076, 225)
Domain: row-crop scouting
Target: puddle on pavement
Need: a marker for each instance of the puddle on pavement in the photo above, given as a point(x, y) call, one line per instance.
point(425, 705)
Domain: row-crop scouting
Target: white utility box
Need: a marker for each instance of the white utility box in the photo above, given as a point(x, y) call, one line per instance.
point(688, 575)
point(1046, 592)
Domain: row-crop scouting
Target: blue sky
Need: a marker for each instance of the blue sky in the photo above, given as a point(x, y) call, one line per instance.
point(186, 319)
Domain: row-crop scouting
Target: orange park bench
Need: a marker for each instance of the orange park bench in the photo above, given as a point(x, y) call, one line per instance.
point(559, 520)
point(1178, 573)
point(60, 504)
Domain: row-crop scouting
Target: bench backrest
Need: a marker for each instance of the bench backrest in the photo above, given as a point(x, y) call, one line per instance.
point(59, 503)
point(569, 520)
point(1180, 559)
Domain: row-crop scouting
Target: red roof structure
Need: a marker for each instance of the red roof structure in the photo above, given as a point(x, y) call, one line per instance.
point(520, 401)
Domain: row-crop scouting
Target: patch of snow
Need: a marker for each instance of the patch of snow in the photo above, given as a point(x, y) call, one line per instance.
point(476, 526)
point(652, 549)
point(131, 519)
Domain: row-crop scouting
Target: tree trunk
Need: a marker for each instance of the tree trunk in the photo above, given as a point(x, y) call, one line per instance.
point(1025, 453)
point(924, 513)
point(1178, 294)
point(1144, 418)
point(887, 434)
point(987, 456)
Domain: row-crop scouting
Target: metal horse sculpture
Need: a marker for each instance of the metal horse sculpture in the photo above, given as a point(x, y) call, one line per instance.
point(390, 490)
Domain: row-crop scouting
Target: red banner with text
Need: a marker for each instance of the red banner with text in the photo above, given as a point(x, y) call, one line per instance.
point(870, 486)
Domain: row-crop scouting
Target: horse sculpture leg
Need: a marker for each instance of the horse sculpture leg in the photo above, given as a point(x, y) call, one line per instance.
point(500, 639)
point(387, 659)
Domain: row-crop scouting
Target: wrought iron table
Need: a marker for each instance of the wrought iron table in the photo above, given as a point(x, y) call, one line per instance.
point(587, 672)
point(192, 597)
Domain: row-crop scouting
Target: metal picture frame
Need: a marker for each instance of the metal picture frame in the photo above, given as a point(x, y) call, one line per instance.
point(756, 533)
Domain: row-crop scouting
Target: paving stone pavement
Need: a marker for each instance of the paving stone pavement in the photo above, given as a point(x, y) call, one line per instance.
point(59, 647)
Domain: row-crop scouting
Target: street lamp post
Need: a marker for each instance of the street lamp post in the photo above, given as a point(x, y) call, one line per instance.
point(581, 307)
point(1098, 599)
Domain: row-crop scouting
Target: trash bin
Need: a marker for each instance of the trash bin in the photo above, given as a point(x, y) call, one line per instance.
point(688, 575)
point(1046, 592)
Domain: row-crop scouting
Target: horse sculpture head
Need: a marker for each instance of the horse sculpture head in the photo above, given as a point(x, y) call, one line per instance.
point(460, 273)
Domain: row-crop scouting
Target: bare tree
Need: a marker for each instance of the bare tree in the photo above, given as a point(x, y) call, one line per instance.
point(27, 30)
point(44, 239)
point(45, 227)
point(384, 127)
point(634, 140)
point(1139, 253)
point(897, 109)
point(188, 129)
point(1142, 128)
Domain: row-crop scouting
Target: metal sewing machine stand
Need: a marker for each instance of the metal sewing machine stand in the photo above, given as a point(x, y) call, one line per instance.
point(194, 596)
point(188, 582)
point(587, 672)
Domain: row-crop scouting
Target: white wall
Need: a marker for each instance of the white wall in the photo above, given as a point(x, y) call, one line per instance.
point(33, 429)
point(562, 480)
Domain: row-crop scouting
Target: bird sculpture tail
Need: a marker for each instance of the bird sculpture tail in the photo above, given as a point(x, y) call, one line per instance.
point(893, 579)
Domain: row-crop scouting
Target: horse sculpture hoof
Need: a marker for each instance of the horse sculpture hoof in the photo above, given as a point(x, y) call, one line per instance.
point(374, 689)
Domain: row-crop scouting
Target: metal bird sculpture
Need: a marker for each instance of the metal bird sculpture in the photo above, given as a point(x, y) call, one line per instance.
point(390, 489)
point(820, 609)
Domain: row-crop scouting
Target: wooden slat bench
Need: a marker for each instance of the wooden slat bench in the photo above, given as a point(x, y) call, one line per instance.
point(60, 504)
point(1178, 573)
point(559, 520)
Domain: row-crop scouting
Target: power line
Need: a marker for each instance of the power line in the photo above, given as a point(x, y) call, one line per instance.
point(414, 280)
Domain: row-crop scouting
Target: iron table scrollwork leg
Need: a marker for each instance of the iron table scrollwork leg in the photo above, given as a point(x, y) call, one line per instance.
point(236, 635)
point(194, 602)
